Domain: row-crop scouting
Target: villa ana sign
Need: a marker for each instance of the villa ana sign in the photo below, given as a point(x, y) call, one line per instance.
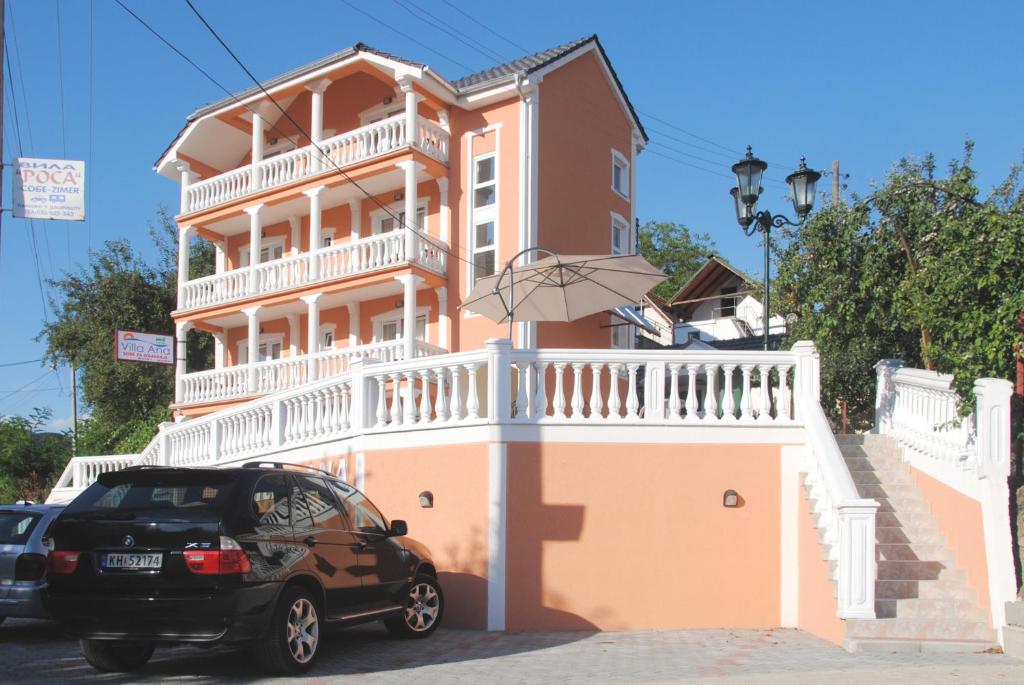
point(49, 189)
point(144, 347)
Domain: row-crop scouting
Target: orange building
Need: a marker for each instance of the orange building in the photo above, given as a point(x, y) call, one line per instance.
point(576, 482)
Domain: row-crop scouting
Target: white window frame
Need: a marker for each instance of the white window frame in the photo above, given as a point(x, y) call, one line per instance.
point(628, 328)
point(619, 159)
point(483, 215)
point(266, 338)
point(378, 216)
point(398, 316)
point(326, 233)
point(268, 244)
point(321, 340)
point(620, 221)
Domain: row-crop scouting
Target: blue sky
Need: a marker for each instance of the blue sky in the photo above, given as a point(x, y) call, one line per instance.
point(865, 83)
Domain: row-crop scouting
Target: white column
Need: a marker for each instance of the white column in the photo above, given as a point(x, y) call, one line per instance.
point(255, 243)
point(314, 229)
point(295, 223)
point(405, 83)
point(445, 210)
point(219, 341)
point(257, 150)
point(409, 283)
point(443, 322)
point(293, 335)
point(353, 324)
point(188, 177)
point(884, 396)
point(411, 200)
point(316, 124)
point(181, 339)
point(184, 234)
point(312, 332)
point(356, 207)
point(253, 320)
point(220, 256)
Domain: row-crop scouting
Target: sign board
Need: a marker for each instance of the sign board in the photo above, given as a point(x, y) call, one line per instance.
point(144, 347)
point(49, 189)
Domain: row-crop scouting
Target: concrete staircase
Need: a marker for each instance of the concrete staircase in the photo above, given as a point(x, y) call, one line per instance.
point(922, 600)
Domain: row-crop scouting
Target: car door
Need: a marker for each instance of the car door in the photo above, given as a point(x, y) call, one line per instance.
point(382, 559)
point(271, 545)
point(332, 546)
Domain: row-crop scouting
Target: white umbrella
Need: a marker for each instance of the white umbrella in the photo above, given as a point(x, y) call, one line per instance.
point(562, 287)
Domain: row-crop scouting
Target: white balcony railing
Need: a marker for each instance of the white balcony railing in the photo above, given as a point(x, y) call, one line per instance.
point(351, 258)
point(345, 149)
point(232, 382)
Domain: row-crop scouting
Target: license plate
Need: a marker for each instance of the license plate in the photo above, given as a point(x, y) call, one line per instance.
point(132, 561)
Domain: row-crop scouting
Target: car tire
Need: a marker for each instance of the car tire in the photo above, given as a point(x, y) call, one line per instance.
point(292, 642)
point(116, 656)
point(2, 619)
point(423, 612)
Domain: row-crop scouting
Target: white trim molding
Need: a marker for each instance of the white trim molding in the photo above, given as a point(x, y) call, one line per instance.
point(497, 519)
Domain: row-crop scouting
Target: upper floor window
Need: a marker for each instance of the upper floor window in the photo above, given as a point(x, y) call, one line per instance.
point(391, 329)
point(327, 336)
point(621, 336)
point(270, 347)
point(728, 302)
point(326, 237)
point(620, 235)
point(270, 249)
point(483, 228)
point(385, 222)
point(620, 174)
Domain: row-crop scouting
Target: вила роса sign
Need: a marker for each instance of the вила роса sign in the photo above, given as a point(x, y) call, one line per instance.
point(49, 189)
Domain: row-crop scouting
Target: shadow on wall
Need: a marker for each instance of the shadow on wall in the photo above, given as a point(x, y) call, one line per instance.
point(462, 571)
point(531, 524)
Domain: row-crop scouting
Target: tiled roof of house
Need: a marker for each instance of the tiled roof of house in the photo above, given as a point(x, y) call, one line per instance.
point(526, 64)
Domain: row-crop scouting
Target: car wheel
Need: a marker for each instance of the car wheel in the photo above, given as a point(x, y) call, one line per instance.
point(292, 642)
point(118, 656)
point(424, 608)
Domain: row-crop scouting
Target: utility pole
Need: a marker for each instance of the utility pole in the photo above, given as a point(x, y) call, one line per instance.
point(2, 45)
point(74, 404)
point(835, 181)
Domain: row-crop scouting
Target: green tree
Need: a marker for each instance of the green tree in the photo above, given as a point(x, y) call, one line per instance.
point(673, 249)
point(30, 460)
point(922, 269)
point(119, 289)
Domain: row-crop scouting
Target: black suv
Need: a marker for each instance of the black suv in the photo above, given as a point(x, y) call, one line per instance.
point(260, 554)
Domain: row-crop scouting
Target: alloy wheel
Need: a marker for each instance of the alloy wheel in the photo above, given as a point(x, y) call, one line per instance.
point(423, 608)
point(303, 630)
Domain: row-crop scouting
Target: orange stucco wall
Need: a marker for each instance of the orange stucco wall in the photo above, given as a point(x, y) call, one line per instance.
point(816, 601)
point(602, 538)
point(959, 519)
point(455, 529)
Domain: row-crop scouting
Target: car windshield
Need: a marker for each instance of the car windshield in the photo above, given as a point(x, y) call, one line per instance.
point(180, 491)
point(16, 526)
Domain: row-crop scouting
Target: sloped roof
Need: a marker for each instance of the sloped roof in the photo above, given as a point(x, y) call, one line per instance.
point(526, 64)
point(705, 282)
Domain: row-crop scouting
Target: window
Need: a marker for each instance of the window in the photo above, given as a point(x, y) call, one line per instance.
point(385, 222)
point(327, 340)
point(326, 237)
point(319, 505)
point(483, 250)
point(483, 227)
point(620, 174)
point(15, 527)
point(484, 182)
point(391, 329)
point(727, 307)
point(269, 349)
point(621, 336)
point(271, 249)
point(620, 235)
point(271, 502)
point(360, 510)
point(693, 335)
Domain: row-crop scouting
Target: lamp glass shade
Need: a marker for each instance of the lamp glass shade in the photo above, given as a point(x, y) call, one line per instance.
point(744, 212)
point(802, 184)
point(749, 171)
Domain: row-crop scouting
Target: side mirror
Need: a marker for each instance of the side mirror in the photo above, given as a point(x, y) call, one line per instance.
point(398, 528)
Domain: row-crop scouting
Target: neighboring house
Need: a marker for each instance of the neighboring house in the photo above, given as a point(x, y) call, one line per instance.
point(718, 305)
point(575, 486)
point(661, 320)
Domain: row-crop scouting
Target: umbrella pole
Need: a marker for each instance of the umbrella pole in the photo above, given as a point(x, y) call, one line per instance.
point(511, 302)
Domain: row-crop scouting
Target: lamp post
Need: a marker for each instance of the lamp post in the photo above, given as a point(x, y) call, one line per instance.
point(749, 172)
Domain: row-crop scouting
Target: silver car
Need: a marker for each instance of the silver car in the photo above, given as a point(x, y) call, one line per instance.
point(23, 557)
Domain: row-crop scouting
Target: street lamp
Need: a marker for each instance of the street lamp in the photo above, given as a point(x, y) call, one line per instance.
point(749, 172)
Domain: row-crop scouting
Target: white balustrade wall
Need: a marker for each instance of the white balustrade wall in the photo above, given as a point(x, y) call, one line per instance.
point(345, 149)
point(359, 256)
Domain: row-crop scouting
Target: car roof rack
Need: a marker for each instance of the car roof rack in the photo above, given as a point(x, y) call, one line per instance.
point(284, 466)
point(141, 467)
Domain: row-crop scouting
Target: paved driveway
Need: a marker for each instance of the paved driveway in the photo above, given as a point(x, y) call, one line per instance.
point(33, 652)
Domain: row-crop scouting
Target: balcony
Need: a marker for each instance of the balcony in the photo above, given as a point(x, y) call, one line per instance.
point(233, 382)
point(341, 151)
point(344, 260)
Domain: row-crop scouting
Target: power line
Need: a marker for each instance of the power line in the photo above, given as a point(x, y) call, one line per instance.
point(29, 361)
point(690, 133)
point(88, 188)
point(387, 26)
point(36, 380)
point(487, 28)
point(684, 163)
point(63, 127)
point(468, 41)
point(21, 75)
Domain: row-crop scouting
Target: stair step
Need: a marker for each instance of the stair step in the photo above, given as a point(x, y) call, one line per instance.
point(916, 570)
point(897, 551)
point(924, 589)
point(925, 629)
point(911, 646)
point(930, 609)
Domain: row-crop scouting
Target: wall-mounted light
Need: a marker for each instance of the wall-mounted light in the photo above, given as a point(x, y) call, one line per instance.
point(731, 499)
point(399, 196)
point(427, 499)
point(273, 141)
point(399, 304)
point(388, 100)
point(261, 330)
